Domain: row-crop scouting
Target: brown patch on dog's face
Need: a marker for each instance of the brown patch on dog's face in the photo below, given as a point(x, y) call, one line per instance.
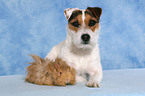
point(92, 17)
point(75, 21)
point(91, 22)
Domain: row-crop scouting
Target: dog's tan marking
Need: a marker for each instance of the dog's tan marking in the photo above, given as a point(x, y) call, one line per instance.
point(87, 21)
point(80, 21)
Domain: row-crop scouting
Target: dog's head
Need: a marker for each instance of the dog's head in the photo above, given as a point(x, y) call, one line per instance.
point(83, 26)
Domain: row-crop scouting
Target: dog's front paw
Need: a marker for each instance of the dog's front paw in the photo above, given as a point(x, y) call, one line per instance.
point(92, 84)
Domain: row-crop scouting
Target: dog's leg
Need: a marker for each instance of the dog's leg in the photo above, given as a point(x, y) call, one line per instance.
point(95, 75)
point(95, 79)
point(52, 55)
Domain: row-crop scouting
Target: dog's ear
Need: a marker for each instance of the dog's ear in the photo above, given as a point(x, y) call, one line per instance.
point(68, 12)
point(96, 11)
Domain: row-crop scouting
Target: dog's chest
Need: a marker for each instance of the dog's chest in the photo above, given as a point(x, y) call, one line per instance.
point(78, 59)
point(79, 62)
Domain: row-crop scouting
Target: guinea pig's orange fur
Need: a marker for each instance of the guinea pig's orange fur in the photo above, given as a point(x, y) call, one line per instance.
point(46, 72)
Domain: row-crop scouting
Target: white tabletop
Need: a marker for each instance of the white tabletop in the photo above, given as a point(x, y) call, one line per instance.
point(127, 82)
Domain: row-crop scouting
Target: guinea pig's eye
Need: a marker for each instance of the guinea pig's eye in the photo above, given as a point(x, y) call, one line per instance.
point(60, 73)
point(75, 24)
point(92, 22)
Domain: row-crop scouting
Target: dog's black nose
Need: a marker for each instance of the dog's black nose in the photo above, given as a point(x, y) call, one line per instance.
point(85, 38)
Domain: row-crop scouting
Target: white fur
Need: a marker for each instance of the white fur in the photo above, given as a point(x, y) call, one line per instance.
point(84, 58)
point(69, 12)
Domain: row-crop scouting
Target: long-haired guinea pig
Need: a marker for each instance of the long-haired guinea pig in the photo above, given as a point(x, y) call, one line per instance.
point(46, 72)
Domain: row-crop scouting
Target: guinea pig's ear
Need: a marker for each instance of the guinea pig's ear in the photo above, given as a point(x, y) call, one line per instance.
point(68, 12)
point(96, 11)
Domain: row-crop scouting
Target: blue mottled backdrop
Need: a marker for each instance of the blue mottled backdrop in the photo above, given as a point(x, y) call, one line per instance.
point(35, 26)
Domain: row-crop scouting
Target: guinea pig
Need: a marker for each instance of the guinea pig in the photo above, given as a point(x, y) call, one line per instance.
point(62, 74)
point(51, 73)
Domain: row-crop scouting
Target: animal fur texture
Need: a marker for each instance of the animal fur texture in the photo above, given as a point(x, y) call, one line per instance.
point(80, 49)
point(46, 72)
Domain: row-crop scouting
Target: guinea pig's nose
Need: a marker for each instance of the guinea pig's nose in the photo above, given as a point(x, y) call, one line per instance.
point(85, 37)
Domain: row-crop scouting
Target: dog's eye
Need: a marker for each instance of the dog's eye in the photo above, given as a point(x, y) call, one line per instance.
point(75, 24)
point(92, 22)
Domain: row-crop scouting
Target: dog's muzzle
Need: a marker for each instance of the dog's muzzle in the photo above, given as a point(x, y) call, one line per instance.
point(85, 38)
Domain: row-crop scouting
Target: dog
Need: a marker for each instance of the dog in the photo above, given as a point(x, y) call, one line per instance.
point(80, 49)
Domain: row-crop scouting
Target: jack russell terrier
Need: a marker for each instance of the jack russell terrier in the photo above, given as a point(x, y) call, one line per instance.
point(80, 49)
